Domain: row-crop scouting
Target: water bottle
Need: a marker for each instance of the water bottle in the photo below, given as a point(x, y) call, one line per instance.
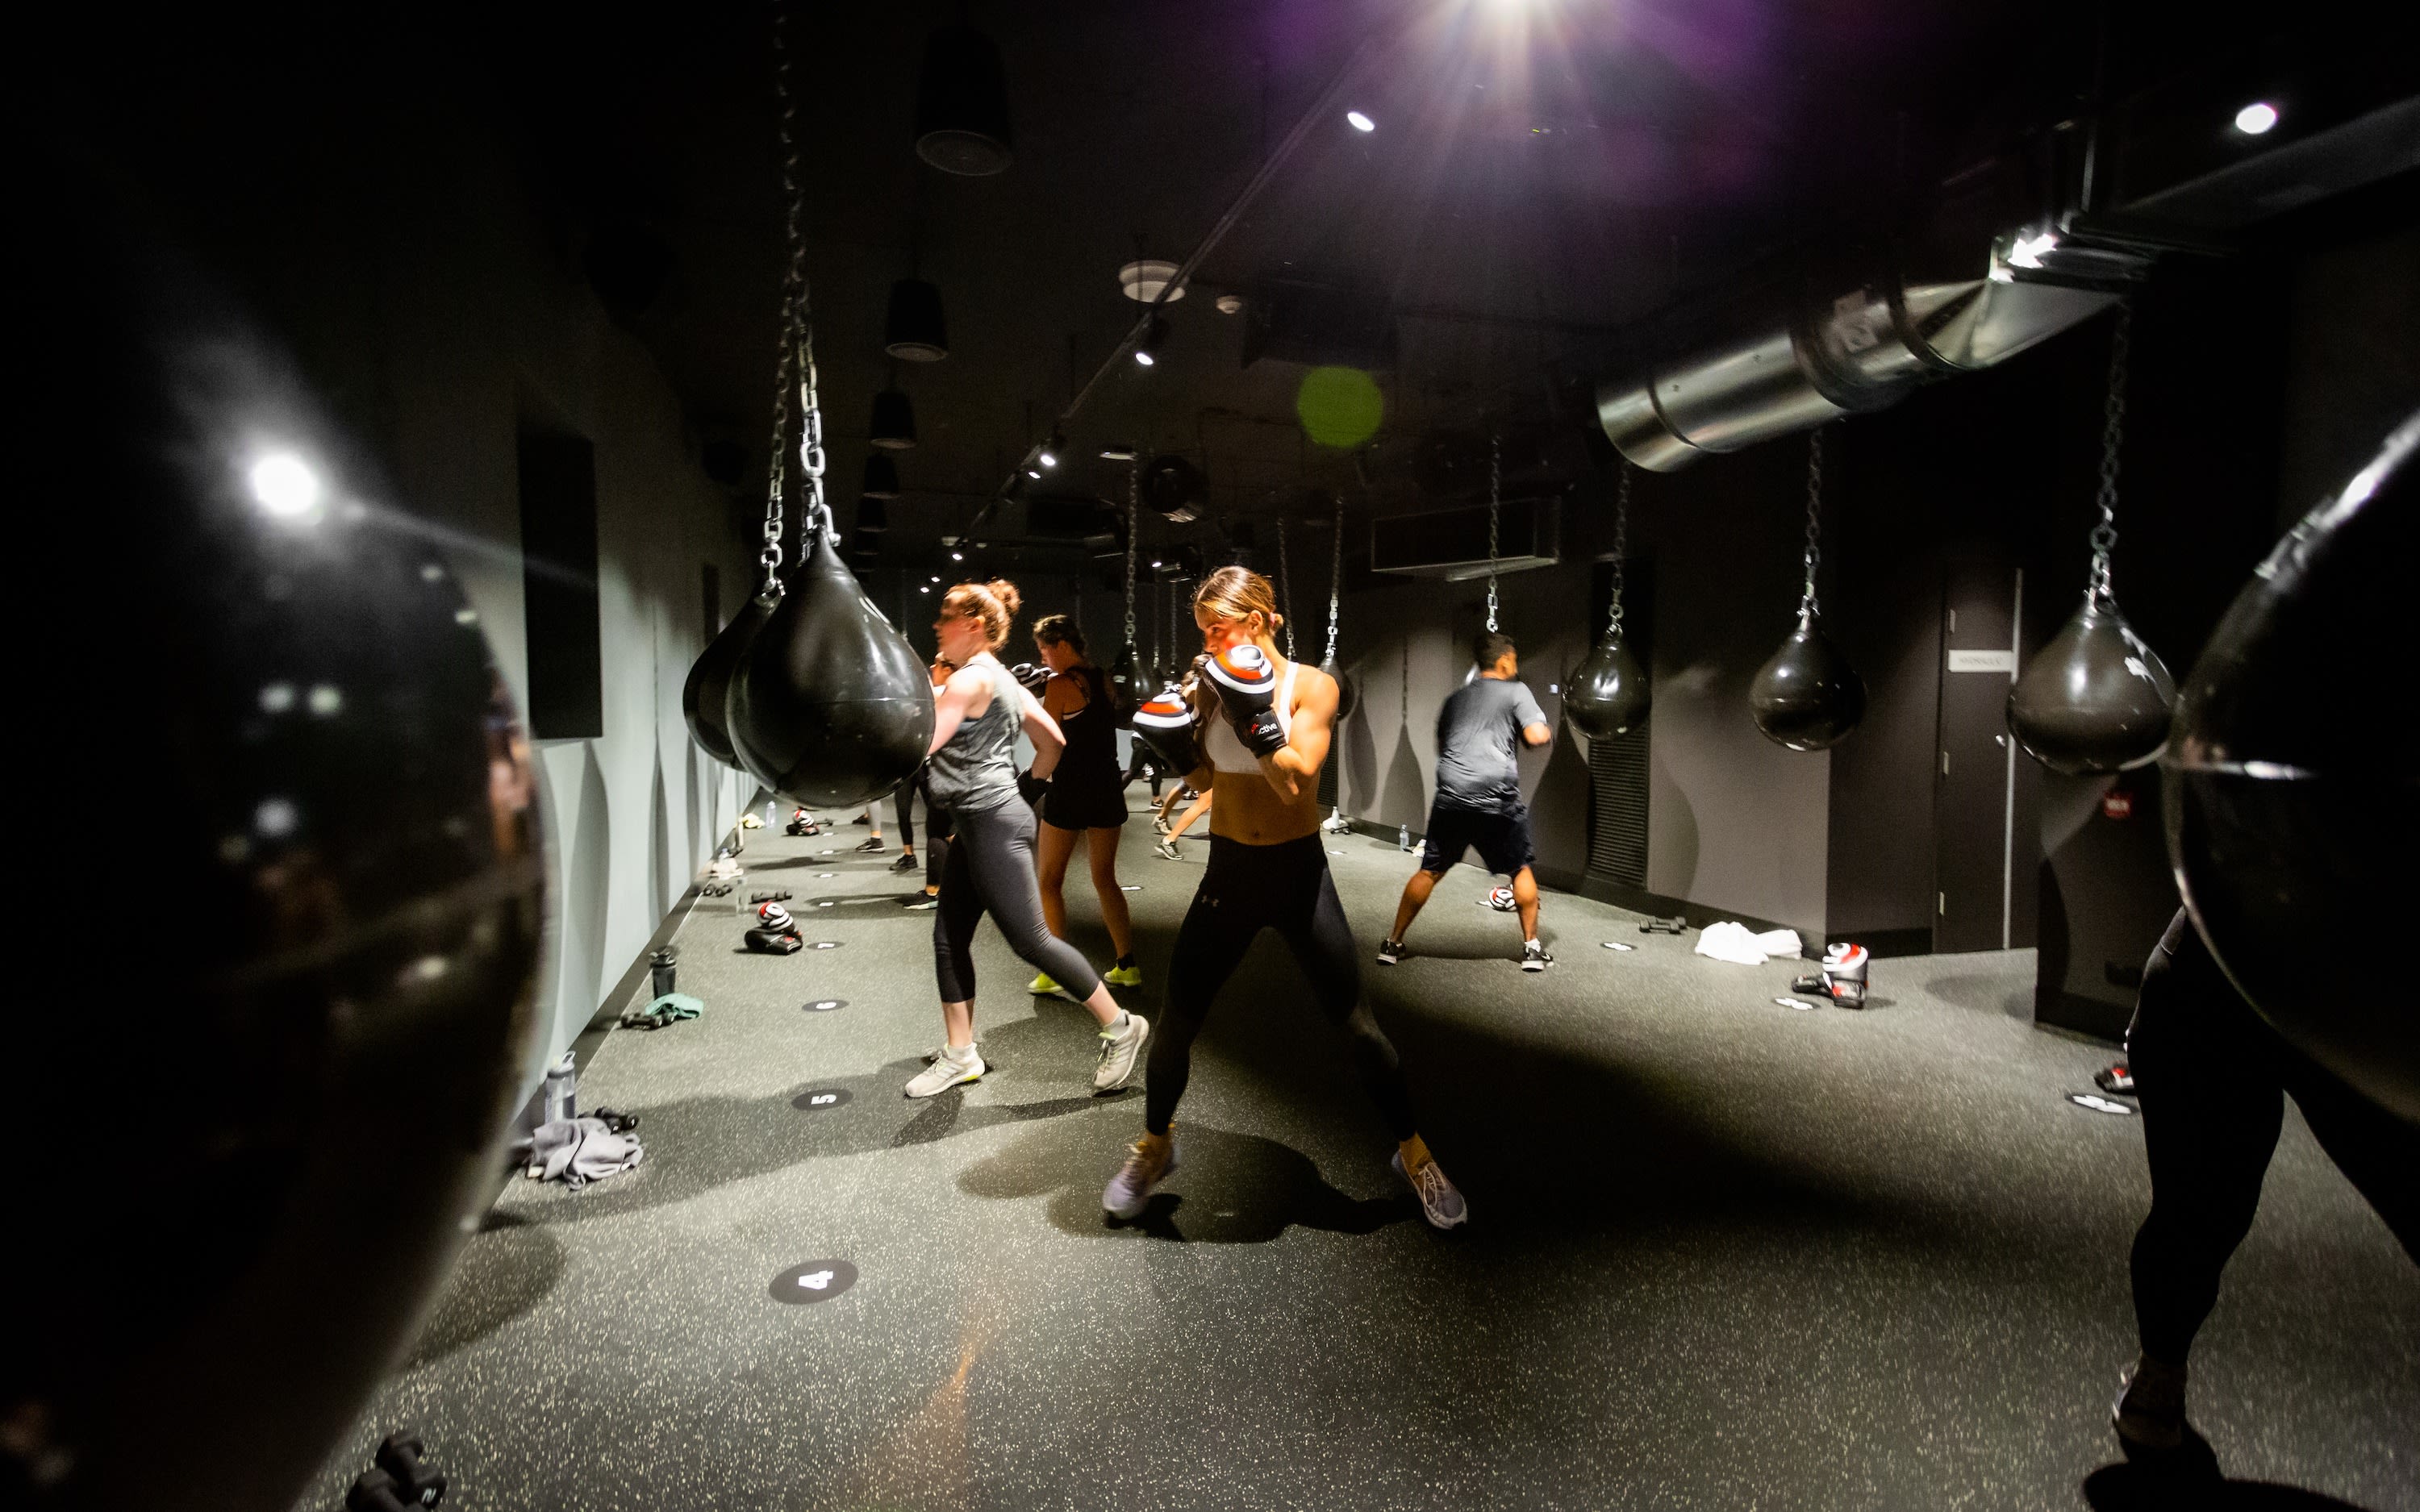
point(769, 813)
point(1403, 838)
point(659, 971)
point(562, 1090)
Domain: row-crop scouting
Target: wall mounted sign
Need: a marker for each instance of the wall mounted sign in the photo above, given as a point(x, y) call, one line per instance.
point(813, 1281)
point(2003, 662)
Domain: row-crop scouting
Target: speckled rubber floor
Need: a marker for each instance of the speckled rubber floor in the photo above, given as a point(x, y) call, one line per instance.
point(1722, 1254)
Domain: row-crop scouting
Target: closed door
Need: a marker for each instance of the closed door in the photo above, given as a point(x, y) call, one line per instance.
point(1975, 761)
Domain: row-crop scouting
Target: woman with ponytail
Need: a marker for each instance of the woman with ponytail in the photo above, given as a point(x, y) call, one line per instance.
point(989, 868)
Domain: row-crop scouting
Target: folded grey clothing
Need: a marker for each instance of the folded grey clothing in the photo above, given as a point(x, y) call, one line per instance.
point(580, 1150)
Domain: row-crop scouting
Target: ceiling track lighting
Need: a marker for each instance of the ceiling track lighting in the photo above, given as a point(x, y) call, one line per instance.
point(1052, 450)
point(881, 477)
point(962, 104)
point(894, 422)
point(1146, 352)
point(913, 329)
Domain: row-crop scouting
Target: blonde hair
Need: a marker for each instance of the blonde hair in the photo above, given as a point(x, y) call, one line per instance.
point(995, 603)
point(1233, 593)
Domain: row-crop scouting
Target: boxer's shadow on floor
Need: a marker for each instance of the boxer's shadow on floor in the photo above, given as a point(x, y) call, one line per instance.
point(2125, 1487)
point(506, 1270)
point(1231, 1189)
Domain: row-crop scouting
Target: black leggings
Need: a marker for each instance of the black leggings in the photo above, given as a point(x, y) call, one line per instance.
point(2210, 1076)
point(1244, 889)
point(902, 809)
point(937, 842)
point(990, 869)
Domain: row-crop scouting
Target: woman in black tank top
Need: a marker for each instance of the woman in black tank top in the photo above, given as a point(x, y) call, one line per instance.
point(1088, 792)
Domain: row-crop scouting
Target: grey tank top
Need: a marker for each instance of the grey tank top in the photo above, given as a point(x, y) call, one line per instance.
point(976, 767)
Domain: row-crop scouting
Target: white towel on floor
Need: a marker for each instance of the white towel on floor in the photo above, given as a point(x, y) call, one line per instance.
point(1735, 942)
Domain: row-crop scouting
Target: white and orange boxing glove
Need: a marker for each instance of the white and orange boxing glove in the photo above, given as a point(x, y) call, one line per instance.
point(1164, 723)
point(1248, 692)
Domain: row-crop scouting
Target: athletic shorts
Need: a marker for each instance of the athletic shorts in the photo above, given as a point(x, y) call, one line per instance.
point(1502, 838)
point(1088, 806)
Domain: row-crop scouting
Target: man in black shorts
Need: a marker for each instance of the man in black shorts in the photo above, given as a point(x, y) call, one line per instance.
point(1479, 793)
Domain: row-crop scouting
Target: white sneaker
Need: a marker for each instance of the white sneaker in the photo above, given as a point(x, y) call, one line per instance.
point(1534, 957)
point(1119, 1050)
point(1129, 1190)
point(951, 1068)
point(1389, 952)
point(1441, 1201)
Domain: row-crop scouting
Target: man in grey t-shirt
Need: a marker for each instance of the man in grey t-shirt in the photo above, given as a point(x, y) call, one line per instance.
point(1480, 732)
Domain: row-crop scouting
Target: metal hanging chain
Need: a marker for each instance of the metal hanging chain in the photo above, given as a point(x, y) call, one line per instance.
point(1285, 589)
point(1620, 551)
point(1495, 507)
point(1134, 527)
point(1335, 580)
point(1808, 607)
point(796, 362)
point(2113, 436)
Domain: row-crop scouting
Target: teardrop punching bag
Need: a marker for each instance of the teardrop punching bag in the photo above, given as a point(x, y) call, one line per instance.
point(333, 946)
point(2097, 699)
point(2291, 790)
point(1807, 697)
point(1607, 694)
point(706, 697)
point(830, 707)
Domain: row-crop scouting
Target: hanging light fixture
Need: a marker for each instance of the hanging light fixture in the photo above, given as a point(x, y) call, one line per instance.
point(1143, 279)
point(873, 516)
point(894, 422)
point(1146, 351)
point(881, 477)
point(1807, 697)
point(2097, 699)
point(912, 327)
point(1048, 455)
point(962, 104)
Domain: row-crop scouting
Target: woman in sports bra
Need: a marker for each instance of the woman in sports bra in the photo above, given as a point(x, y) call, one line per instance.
point(1262, 724)
point(972, 772)
point(1087, 799)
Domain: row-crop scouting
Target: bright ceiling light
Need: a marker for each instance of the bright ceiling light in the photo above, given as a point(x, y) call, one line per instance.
point(1146, 351)
point(1359, 121)
point(284, 485)
point(957, 556)
point(1051, 448)
point(2028, 252)
point(2255, 118)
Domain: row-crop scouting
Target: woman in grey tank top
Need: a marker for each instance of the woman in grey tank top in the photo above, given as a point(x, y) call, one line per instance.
point(989, 869)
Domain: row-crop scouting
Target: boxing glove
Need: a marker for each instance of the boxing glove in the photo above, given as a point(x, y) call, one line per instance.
point(1031, 788)
point(1247, 690)
point(1033, 676)
point(1165, 724)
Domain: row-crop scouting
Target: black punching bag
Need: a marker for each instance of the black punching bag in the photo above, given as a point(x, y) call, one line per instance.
point(830, 707)
point(1348, 690)
point(1608, 693)
point(2293, 792)
point(1807, 697)
point(2094, 700)
point(264, 1072)
point(706, 697)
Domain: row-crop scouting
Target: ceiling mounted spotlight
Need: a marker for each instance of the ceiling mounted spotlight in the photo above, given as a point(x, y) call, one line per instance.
point(1146, 351)
point(881, 477)
point(1049, 457)
point(1229, 304)
point(1032, 471)
point(894, 422)
point(1142, 280)
point(2255, 118)
point(1359, 121)
point(962, 104)
point(873, 516)
point(912, 327)
point(1118, 451)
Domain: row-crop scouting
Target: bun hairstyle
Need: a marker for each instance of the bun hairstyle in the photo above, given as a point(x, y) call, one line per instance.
point(1059, 630)
point(995, 603)
point(1233, 593)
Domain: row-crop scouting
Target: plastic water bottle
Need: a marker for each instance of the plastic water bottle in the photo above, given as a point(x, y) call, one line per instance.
point(1403, 838)
point(769, 813)
point(563, 1089)
point(660, 972)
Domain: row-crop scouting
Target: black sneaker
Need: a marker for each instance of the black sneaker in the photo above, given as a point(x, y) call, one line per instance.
point(904, 865)
point(1389, 952)
point(869, 847)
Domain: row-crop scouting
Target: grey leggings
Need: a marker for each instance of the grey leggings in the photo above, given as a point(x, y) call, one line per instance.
point(990, 868)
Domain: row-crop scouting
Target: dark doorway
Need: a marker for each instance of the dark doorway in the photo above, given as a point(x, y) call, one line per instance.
point(558, 496)
point(1975, 768)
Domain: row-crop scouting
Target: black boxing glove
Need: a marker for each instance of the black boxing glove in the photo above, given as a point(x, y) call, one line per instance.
point(1248, 692)
point(1164, 724)
point(1031, 788)
point(774, 941)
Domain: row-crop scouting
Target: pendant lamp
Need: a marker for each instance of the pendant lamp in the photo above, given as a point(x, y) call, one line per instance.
point(2097, 699)
point(1807, 697)
point(2291, 790)
point(1607, 694)
point(894, 422)
point(962, 104)
point(912, 327)
point(881, 477)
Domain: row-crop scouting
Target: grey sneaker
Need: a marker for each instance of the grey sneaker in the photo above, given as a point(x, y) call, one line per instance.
point(1145, 1168)
point(1167, 849)
point(1534, 957)
point(1441, 1202)
point(2149, 1411)
point(951, 1068)
point(1119, 1049)
point(1389, 952)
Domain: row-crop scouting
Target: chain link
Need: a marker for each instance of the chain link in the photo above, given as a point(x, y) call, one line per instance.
point(1285, 589)
point(2113, 436)
point(1621, 551)
point(1494, 508)
point(1335, 580)
point(1134, 528)
point(1808, 607)
point(794, 363)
